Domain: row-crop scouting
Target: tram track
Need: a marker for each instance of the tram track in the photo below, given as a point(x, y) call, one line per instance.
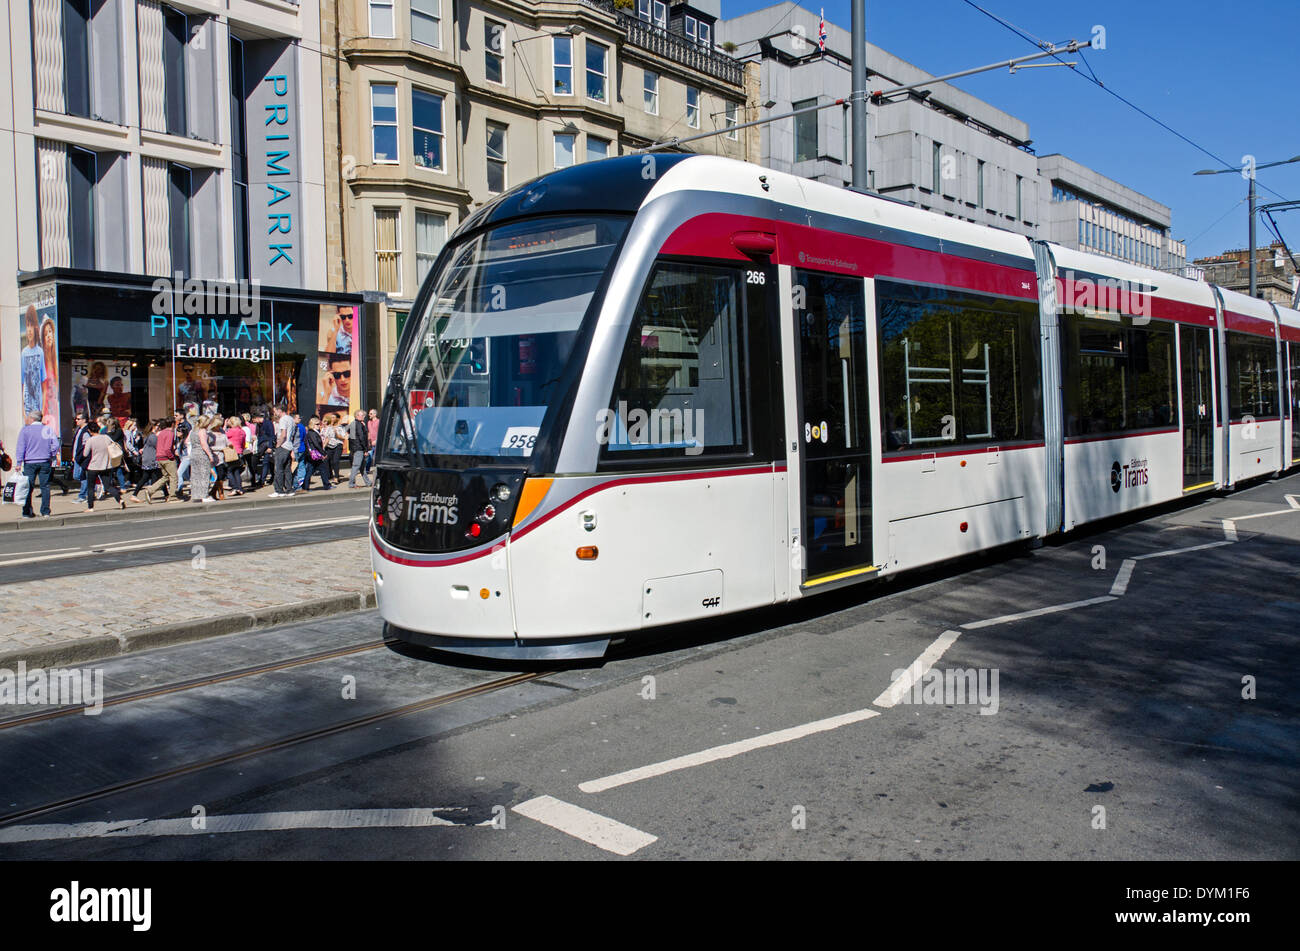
point(305, 736)
point(145, 693)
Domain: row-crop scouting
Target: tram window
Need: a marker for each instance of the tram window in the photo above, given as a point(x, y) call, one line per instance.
point(1252, 376)
point(956, 368)
point(1117, 376)
point(678, 390)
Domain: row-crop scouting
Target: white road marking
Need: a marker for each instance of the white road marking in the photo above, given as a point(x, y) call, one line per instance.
point(1293, 501)
point(1037, 612)
point(1242, 518)
point(1180, 551)
point(250, 822)
point(208, 536)
point(899, 688)
point(1229, 530)
point(590, 827)
point(1123, 576)
point(726, 751)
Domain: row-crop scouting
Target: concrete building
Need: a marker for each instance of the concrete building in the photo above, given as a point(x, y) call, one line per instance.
point(1085, 210)
point(435, 107)
point(941, 149)
point(1275, 274)
point(177, 141)
point(947, 151)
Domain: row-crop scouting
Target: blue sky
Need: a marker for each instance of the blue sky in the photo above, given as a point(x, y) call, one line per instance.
point(1222, 74)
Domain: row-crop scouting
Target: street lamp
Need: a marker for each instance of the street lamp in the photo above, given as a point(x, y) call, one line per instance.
point(1248, 170)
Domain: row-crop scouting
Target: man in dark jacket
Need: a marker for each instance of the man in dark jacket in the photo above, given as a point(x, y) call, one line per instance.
point(359, 436)
point(263, 467)
point(78, 454)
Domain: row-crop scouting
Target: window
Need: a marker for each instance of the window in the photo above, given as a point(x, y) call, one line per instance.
point(562, 54)
point(679, 385)
point(691, 25)
point(564, 146)
point(597, 149)
point(597, 70)
point(426, 22)
point(178, 216)
point(1117, 377)
point(979, 183)
point(430, 236)
point(650, 92)
point(733, 117)
point(82, 174)
point(805, 132)
point(956, 368)
point(936, 166)
point(239, 158)
point(76, 57)
point(383, 122)
point(426, 128)
point(1020, 215)
point(496, 157)
point(381, 18)
point(653, 11)
point(388, 250)
point(175, 33)
point(494, 36)
point(692, 107)
point(704, 34)
point(1252, 376)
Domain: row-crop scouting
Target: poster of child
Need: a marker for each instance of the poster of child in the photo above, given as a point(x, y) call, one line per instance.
point(33, 363)
point(50, 397)
point(101, 385)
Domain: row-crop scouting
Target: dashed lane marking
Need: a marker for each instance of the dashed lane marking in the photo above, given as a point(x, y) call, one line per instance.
point(726, 751)
point(903, 683)
point(250, 822)
point(590, 827)
point(1123, 576)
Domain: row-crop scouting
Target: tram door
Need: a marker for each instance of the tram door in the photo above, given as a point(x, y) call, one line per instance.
point(1198, 406)
point(834, 445)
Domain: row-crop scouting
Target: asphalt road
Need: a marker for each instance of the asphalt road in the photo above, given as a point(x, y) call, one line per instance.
point(1143, 709)
point(124, 543)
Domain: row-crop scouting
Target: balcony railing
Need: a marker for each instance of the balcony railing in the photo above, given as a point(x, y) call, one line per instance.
point(671, 46)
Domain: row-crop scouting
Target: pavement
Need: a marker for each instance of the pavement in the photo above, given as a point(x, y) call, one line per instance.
point(1143, 710)
point(84, 586)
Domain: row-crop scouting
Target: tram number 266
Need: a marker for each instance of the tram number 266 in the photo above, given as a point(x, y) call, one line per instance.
point(755, 277)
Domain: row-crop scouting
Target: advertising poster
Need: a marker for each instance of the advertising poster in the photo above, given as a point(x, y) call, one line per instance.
point(195, 383)
point(39, 355)
point(337, 365)
point(101, 385)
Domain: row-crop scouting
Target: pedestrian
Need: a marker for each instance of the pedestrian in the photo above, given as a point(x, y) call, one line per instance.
point(245, 422)
point(221, 460)
point(286, 434)
point(38, 449)
point(265, 429)
point(131, 442)
point(201, 460)
point(332, 437)
point(184, 426)
point(372, 430)
point(300, 450)
point(316, 455)
point(167, 461)
point(235, 438)
point(103, 456)
point(150, 466)
point(78, 453)
point(359, 438)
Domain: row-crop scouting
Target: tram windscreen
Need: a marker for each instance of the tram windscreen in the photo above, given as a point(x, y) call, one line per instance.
point(493, 340)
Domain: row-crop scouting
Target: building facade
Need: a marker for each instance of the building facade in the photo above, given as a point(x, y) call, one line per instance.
point(1090, 212)
point(434, 107)
point(1275, 273)
point(165, 239)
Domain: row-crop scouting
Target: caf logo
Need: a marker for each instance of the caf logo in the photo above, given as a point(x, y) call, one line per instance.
point(1116, 479)
point(395, 505)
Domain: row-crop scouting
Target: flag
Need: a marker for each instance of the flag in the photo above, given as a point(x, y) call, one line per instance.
point(821, 31)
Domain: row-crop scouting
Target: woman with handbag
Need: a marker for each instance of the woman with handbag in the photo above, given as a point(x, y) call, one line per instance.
point(103, 455)
point(316, 458)
point(220, 464)
point(333, 446)
point(150, 467)
point(234, 453)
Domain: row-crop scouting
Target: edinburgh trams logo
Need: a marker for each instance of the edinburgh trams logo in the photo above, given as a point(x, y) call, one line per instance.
point(1128, 475)
point(428, 508)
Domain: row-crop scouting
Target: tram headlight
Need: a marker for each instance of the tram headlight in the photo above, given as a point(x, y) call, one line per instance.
point(501, 492)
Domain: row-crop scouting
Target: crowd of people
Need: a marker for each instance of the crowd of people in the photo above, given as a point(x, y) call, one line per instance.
point(198, 458)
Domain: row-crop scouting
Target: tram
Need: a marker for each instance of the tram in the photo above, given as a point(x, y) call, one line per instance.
point(659, 388)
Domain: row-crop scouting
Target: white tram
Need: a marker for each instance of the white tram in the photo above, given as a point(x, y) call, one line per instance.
point(660, 388)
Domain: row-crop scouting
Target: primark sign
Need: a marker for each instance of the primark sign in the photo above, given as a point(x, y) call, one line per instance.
point(275, 173)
